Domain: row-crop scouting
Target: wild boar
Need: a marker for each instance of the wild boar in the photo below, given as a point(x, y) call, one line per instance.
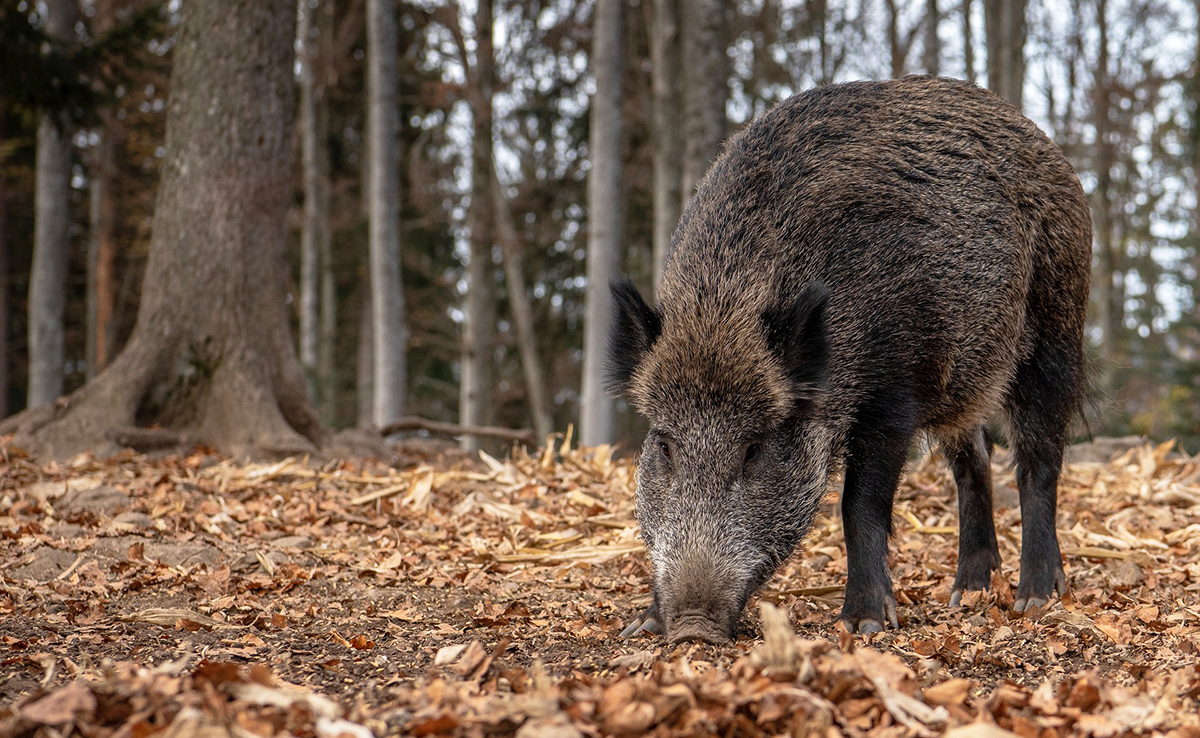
point(863, 264)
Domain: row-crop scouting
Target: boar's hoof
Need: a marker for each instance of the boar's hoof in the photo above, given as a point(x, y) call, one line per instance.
point(1037, 587)
point(1029, 604)
point(697, 628)
point(865, 624)
point(647, 622)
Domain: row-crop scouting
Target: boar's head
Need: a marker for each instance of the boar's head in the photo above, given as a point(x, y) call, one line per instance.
point(736, 460)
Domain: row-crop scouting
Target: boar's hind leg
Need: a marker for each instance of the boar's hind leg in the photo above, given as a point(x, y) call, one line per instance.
point(978, 554)
point(1042, 398)
point(873, 467)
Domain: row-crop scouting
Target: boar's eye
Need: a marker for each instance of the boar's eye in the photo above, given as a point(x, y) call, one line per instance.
point(752, 452)
point(665, 450)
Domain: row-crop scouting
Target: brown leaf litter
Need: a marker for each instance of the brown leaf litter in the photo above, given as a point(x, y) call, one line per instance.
point(192, 596)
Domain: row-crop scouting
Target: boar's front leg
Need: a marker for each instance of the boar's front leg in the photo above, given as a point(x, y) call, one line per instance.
point(874, 462)
point(978, 555)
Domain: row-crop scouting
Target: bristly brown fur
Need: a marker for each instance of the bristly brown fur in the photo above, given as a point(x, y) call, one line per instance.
point(953, 242)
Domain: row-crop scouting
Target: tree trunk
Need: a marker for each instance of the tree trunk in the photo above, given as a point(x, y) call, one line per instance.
point(4, 262)
point(310, 235)
point(475, 407)
point(51, 243)
point(606, 215)
point(705, 30)
point(211, 354)
point(364, 384)
point(968, 40)
point(522, 313)
point(389, 334)
point(1107, 257)
point(668, 143)
point(102, 247)
point(326, 366)
point(1004, 24)
point(896, 48)
point(933, 45)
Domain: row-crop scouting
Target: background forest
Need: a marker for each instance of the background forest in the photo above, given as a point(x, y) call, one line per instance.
point(541, 147)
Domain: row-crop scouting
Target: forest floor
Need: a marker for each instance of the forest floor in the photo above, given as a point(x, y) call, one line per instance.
point(195, 596)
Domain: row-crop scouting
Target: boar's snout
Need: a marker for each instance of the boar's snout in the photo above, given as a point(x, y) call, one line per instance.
point(698, 626)
point(699, 599)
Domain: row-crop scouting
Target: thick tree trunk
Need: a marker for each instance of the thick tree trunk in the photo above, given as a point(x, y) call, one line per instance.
point(476, 405)
point(705, 30)
point(668, 143)
point(933, 45)
point(606, 215)
point(968, 39)
point(389, 334)
point(51, 244)
point(1004, 24)
point(211, 354)
point(310, 235)
point(522, 313)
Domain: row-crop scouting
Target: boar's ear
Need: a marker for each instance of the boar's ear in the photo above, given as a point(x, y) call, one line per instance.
point(635, 328)
point(796, 334)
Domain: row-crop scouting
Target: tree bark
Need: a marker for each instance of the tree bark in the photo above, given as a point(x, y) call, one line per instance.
point(1004, 25)
point(326, 366)
point(933, 45)
point(968, 39)
point(606, 215)
point(705, 30)
point(522, 313)
point(102, 247)
point(389, 334)
point(896, 49)
point(310, 235)
point(668, 143)
point(476, 403)
point(51, 243)
point(4, 263)
point(364, 384)
point(211, 355)
point(1107, 257)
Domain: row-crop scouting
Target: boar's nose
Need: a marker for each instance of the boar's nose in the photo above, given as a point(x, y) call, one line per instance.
point(697, 626)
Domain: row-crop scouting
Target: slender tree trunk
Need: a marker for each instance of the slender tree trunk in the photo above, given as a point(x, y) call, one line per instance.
point(522, 313)
point(4, 262)
point(933, 45)
point(1107, 256)
point(310, 235)
point(968, 39)
point(211, 355)
point(326, 366)
point(668, 143)
point(51, 242)
point(389, 334)
point(896, 49)
point(705, 30)
point(102, 248)
point(1004, 24)
point(476, 403)
point(365, 374)
point(606, 215)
